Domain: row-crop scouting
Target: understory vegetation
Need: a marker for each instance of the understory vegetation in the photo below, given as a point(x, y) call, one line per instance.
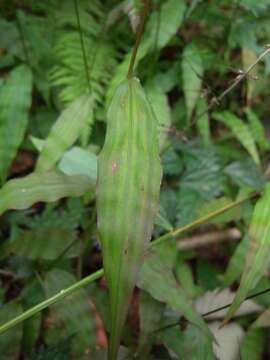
point(174, 251)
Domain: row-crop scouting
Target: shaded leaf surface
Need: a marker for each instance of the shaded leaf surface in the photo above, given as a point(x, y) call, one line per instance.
point(15, 100)
point(192, 70)
point(72, 316)
point(241, 131)
point(258, 251)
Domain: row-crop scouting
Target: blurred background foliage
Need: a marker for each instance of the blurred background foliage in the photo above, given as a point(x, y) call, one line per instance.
point(191, 51)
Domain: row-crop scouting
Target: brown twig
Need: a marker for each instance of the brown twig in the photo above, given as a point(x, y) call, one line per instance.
point(214, 237)
point(217, 100)
point(139, 34)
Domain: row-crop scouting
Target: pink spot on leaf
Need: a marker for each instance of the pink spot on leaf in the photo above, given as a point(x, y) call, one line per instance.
point(114, 166)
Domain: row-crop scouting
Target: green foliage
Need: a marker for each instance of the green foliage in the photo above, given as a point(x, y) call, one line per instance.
point(258, 251)
point(157, 279)
point(15, 100)
point(241, 132)
point(56, 65)
point(73, 317)
point(10, 342)
point(131, 143)
point(65, 132)
point(51, 186)
point(192, 70)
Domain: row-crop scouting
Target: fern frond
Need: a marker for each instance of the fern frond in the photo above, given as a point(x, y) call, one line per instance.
point(69, 72)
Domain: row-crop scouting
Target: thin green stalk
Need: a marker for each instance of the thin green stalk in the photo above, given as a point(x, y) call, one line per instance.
point(52, 300)
point(82, 44)
point(98, 274)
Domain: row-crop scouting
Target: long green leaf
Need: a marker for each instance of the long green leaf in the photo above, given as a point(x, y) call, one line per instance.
point(192, 70)
point(161, 108)
point(98, 274)
point(65, 132)
point(50, 186)
point(15, 101)
point(129, 177)
point(241, 131)
point(157, 278)
point(258, 253)
point(257, 129)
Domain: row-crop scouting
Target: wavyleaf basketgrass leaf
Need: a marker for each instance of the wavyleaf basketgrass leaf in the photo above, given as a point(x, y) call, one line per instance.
point(50, 186)
point(129, 177)
point(15, 100)
point(257, 258)
point(65, 132)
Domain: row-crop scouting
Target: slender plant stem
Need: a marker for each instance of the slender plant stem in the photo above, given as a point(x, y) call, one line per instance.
point(98, 274)
point(252, 296)
point(176, 233)
point(52, 300)
point(138, 37)
point(82, 44)
point(217, 100)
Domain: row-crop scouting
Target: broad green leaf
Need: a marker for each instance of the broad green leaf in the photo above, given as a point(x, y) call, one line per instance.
point(188, 206)
point(189, 344)
point(78, 161)
point(10, 342)
point(72, 316)
point(165, 22)
point(257, 129)
point(192, 71)
point(151, 312)
point(253, 343)
point(15, 101)
point(255, 6)
point(129, 177)
point(65, 132)
point(241, 131)
point(46, 240)
point(58, 351)
point(203, 171)
point(47, 187)
point(162, 111)
point(257, 258)
point(245, 173)
point(157, 278)
point(203, 121)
